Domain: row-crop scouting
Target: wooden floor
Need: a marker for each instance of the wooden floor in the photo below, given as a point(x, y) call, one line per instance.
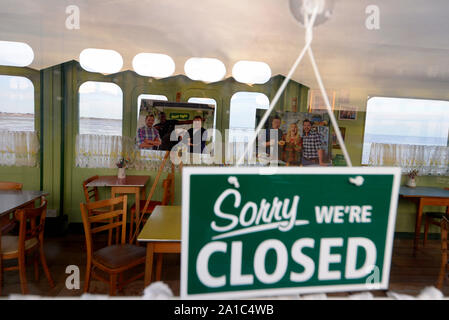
point(409, 275)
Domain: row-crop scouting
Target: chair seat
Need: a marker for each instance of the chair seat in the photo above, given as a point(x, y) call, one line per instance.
point(117, 256)
point(151, 205)
point(434, 214)
point(10, 244)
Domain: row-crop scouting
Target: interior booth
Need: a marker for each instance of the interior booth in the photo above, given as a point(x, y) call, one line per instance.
point(67, 126)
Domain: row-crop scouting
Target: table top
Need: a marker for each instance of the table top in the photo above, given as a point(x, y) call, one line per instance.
point(114, 181)
point(11, 200)
point(423, 192)
point(164, 224)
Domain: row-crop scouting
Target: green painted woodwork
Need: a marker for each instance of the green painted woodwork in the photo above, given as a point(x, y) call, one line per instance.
point(30, 177)
point(56, 120)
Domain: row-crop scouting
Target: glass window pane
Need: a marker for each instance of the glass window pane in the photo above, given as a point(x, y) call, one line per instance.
point(16, 103)
point(242, 118)
point(405, 121)
point(100, 108)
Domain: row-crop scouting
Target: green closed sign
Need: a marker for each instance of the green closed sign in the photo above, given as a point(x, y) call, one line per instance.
point(272, 231)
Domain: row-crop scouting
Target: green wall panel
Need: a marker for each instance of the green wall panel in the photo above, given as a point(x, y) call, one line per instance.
point(56, 100)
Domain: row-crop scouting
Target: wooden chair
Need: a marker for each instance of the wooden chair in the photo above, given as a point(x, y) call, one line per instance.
point(112, 259)
point(6, 185)
point(30, 239)
point(167, 199)
point(444, 254)
point(92, 194)
point(435, 218)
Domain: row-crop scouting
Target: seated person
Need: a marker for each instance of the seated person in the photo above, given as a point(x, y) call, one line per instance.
point(165, 128)
point(196, 136)
point(148, 136)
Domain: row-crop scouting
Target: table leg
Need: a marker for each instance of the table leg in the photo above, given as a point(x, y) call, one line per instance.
point(418, 226)
point(159, 260)
point(137, 215)
point(149, 263)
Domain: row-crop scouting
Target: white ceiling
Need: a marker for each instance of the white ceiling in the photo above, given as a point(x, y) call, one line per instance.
point(407, 57)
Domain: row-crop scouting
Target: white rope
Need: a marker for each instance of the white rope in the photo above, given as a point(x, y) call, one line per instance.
point(280, 90)
point(329, 109)
point(307, 47)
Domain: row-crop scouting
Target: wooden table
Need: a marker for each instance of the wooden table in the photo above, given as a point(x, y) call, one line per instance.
point(129, 185)
point(11, 200)
point(162, 233)
point(424, 196)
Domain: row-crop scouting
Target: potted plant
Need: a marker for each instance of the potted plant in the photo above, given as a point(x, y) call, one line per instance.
point(411, 182)
point(122, 165)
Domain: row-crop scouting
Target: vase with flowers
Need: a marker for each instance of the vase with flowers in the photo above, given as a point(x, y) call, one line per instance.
point(411, 181)
point(122, 165)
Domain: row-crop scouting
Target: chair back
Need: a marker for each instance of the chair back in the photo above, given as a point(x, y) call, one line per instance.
point(90, 194)
point(114, 218)
point(168, 185)
point(447, 208)
point(31, 223)
point(6, 185)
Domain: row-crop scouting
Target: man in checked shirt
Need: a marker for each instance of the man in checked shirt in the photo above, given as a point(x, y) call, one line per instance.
point(148, 136)
point(312, 146)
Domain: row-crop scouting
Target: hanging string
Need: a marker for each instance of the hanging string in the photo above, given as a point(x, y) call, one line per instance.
point(307, 48)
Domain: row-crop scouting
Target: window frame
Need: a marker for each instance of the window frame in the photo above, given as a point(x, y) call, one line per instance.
point(366, 116)
point(78, 115)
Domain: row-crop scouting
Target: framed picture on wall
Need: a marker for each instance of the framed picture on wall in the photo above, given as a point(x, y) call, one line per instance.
point(335, 143)
point(347, 115)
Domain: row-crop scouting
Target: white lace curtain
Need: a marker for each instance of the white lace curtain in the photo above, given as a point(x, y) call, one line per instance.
point(102, 151)
point(19, 148)
point(429, 160)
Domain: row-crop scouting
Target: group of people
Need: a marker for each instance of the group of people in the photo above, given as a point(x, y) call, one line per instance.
point(158, 137)
point(293, 148)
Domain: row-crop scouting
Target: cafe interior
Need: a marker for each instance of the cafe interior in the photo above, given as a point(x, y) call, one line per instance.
point(90, 92)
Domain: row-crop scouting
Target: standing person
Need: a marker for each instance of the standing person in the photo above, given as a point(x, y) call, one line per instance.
point(293, 143)
point(148, 136)
point(312, 145)
point(197, 136)
point(165, 128)
point(274, 138)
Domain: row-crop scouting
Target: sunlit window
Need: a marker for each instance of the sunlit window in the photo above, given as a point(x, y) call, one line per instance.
point(242, 118)
point(100, 108)
point(205, 69)
point(405, 121)
point(16, 104)
point(153, 65)
point(16, 54)
point(252, 72)
point(101, 60)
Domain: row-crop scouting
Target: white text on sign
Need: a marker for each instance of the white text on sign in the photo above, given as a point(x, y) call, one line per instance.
point(337, 214)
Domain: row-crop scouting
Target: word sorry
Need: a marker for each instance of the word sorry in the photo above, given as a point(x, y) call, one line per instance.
point(252, 217)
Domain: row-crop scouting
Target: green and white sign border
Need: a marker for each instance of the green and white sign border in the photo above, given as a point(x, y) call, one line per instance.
point(383, 285)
